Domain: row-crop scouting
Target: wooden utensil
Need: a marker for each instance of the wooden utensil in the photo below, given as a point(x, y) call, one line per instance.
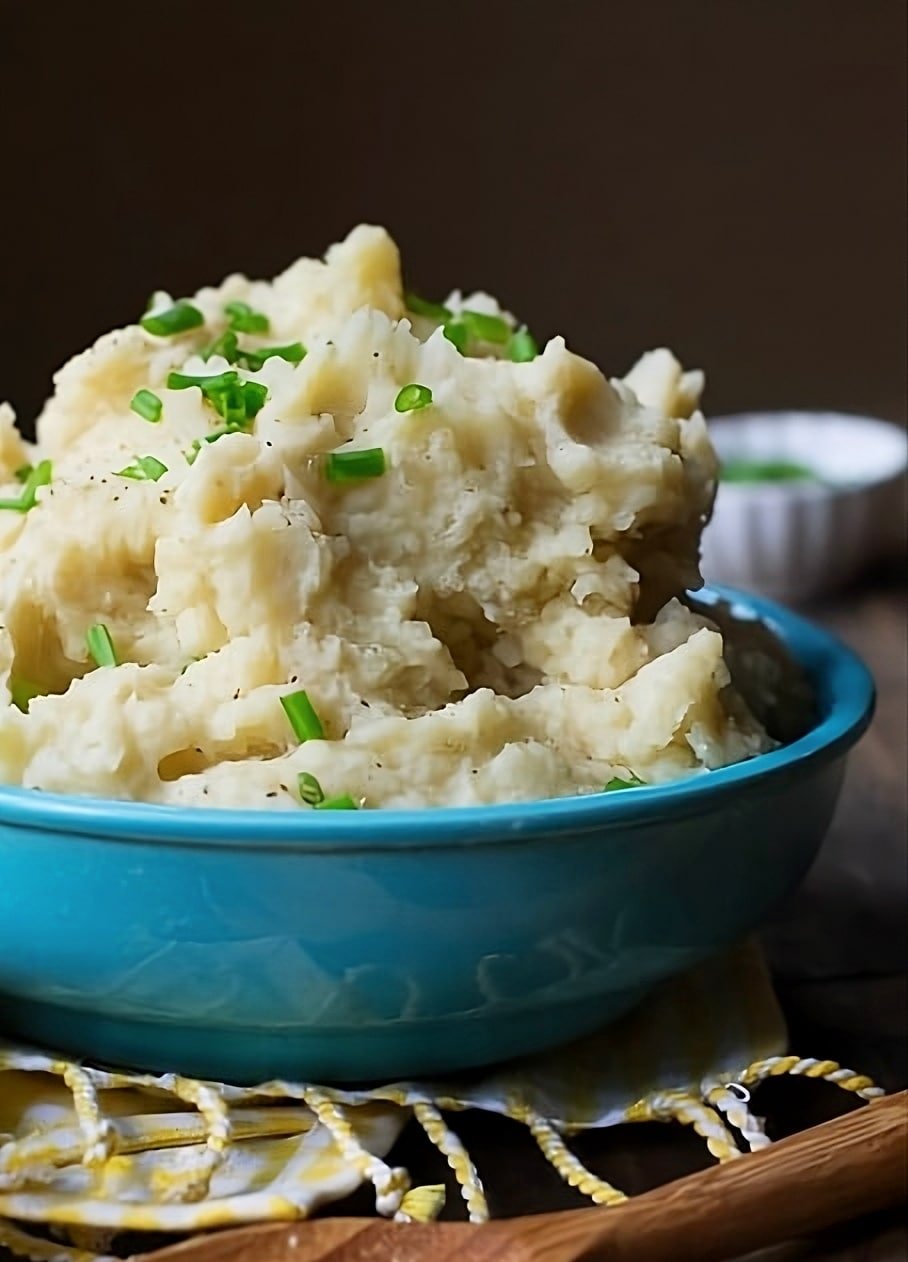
point(853, 1165)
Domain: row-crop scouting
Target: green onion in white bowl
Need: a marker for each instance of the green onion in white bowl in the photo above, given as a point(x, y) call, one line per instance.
point(806, 500)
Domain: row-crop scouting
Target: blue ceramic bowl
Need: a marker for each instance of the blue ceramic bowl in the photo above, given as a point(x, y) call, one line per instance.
point(244, 945)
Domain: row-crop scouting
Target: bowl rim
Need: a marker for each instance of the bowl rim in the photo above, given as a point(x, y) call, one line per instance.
point(843, 681)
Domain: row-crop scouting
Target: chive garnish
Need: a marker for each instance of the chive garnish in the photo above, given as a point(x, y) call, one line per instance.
point(355, 466)
point(197, 443)
point(310, 790)
point(179, 318)
point(237, 403)
point(616, 782)
point(486, 328)
point(522, 347)
point(244, 319)
point(101, 646)
point(39, 476)
point(293, 353)
point(230, 405)
point(145, 403)
point(207, 384)
point(413, 397)
point(306, 724)
point(225, 346)
point(35, 478)
point(22, 691)
point(238, 406)
point(23, 472)
point(422, 306)
point(254, 396)
point(145, 469)
point(343, 803)
point(457, 334)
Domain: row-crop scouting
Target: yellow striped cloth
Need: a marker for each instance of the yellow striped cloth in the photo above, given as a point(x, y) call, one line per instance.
point(86, 1154)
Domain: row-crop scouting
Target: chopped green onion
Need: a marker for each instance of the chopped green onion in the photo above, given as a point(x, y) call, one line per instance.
point(101, 646)
point(306, 724)
point(309, 789)
point(237, 403)
point(457, 334)
point(486, 328)
point(23, 472)
point(197, 444)
point(617, 783)
point(522, 347)
point(293, 353)
point(226, 346)
point(244, 319)
point(230, 405)
point(343, 803)
point(254, 396)
point(207, 384)
point(145, 469)
point(37, 477)
point(145, 403)
point(413, 397)
point(422, 306)
point(22, 691)
point(766, 471)
point(179, 318)
point(354, 466)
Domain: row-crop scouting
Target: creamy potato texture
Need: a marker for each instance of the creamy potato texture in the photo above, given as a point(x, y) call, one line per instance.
point(492, 617)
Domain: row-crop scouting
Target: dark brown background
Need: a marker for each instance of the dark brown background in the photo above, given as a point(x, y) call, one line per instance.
point(725, 176)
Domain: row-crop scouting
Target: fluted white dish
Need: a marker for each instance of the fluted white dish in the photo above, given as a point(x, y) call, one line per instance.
point(793, 540)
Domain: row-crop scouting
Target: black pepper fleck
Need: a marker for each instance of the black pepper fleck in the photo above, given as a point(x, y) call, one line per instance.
point(272, 794)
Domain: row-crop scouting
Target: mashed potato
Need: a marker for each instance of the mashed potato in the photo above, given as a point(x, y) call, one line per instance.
point(481, 608)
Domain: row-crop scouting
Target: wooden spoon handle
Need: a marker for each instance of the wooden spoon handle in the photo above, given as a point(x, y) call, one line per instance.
point(852, 1166)
point(842, 1169)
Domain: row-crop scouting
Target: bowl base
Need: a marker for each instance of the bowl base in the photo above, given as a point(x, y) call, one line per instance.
point(245, 1057)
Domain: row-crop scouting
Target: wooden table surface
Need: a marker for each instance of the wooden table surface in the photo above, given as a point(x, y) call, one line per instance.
point(840, 957)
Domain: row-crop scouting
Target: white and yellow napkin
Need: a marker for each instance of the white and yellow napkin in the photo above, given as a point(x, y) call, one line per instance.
point(87, 1154)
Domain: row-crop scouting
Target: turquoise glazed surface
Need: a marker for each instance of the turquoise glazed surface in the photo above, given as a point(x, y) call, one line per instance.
point(337, 946)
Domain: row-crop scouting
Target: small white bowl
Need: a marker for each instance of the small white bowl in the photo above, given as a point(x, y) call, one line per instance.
point(794, 540)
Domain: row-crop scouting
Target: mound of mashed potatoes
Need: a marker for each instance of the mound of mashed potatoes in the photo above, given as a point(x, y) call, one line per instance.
point(393, 558)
